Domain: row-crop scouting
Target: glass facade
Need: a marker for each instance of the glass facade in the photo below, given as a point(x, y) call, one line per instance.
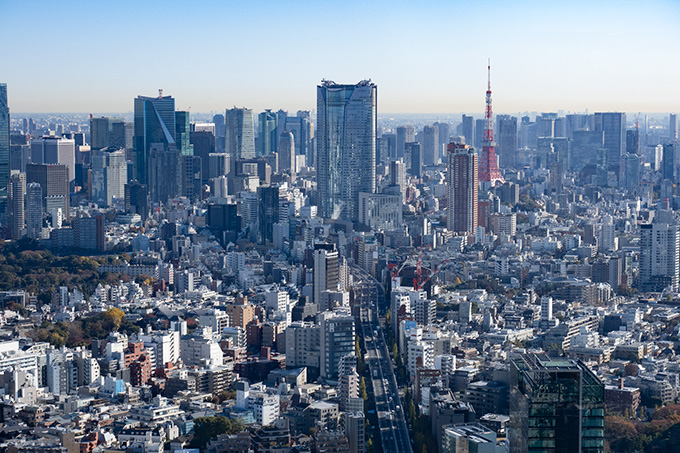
point(4, 148)
point(556, 405)
point(154, 123)
point(346, 141)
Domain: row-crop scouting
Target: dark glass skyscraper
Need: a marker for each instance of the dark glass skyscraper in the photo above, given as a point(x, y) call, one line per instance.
point(556, 405)
point(347, 125)
point(154, 123)
point(267, 136)
point(614, 126)
point(4, 147)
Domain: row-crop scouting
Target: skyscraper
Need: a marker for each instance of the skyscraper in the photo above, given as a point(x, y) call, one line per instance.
point(34, 210)
point(16, 192)
point(239, 133)
point(673, 127)
point(220, 131)
point(668, 162)
point(507, 142)
point(413, 159)
point(53, 180)
point(633, 141)
point(659, 255)
point(488, 165)
point(556, 405)
point(444, 134)
point(137, 199)
point(286, 152)
point(183, 133)
point(462, 188)
point(430, 145)
point(347, 127)
point(109, 176)
point(405, 134)
point(468, 129)
point(337, 341)
point(55, 150)
point(326, 270)
point(266, 133)
point(268, 212)
point(4, 146)
point(154, 123)
point(613, 124)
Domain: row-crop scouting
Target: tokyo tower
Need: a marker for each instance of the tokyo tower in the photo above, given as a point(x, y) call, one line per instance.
point(488, 164)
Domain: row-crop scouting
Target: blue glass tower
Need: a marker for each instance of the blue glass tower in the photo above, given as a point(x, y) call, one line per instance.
point(154, 123)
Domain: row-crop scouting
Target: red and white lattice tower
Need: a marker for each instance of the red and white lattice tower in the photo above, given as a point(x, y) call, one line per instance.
point(488, 164)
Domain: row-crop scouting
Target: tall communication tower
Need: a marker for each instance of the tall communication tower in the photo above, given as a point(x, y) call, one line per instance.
point(488, 163)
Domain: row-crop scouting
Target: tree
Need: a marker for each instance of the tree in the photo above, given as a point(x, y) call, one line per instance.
point(630, 369)
point(370, 448)
point(412, 412)
point(388, 317)
point(362, 389)
point(395, 352)
point(206, 428)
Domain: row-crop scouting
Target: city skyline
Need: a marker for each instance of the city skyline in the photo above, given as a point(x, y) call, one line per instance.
point(606, 57)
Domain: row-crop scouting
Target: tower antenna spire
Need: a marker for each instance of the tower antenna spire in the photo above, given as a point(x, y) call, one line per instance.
point(489, 73)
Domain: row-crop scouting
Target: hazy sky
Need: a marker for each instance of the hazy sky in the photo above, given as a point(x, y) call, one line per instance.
point(425, 56)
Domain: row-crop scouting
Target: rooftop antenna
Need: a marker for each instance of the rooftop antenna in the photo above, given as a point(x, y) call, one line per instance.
point(160, 93)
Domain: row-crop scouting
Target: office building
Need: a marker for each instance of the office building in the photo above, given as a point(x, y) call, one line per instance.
point(337, 341)
point(190, 176)
point(107, 132)
point(268, 212)
point(507, 142)
point(34, 210)
point(633, 141)
point(673, 127)
point(53, 180)
point(137, 199)
point(239, 133)
point(346, 140)
point(154, 124)
point(631, 171)
point(380, 211)
point(220, 132)
point(557, 405)
point(462, 188)
point(405, 134)
point(430, 142)
point(183, 133)
point(16, 192)
point(54, 150)
point(659, 255)
point(613, 124)
point(414, 159)
point(286, 150)
point(109, 176)
point(444, 134)
point(267, 139)
point(326, 270)
point(164, 173)
point(668, 162)
point(4, 146)
point(468, 129)
point(204, 145)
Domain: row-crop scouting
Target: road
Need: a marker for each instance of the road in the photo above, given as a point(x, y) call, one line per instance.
point(393, 429)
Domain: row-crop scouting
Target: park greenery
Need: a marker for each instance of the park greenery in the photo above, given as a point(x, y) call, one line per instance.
point(24, 264)
point(82, 331)
point(661, 433)
point(206, 428)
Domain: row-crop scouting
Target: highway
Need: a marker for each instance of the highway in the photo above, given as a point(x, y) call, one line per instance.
point(393, 429)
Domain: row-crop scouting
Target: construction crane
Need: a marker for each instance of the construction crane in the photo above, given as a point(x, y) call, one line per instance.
point(437, 269)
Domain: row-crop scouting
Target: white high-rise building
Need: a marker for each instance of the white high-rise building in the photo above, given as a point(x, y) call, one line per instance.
point(240, 133)
point(659, 256)
point(325, 271)
point(346, 146)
